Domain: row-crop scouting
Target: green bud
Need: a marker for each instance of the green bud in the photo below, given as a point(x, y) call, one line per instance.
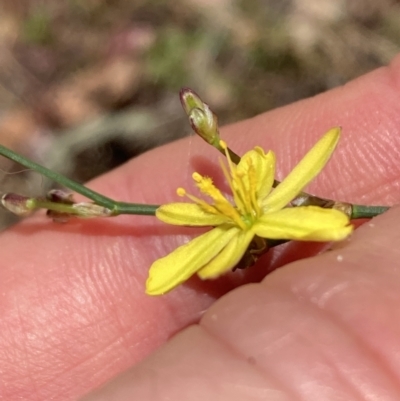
point(203, 121)
point(190, 100)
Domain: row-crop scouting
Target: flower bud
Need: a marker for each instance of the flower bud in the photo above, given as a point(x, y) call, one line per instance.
point(17, 204)
point(203, 121)
point(190, 100)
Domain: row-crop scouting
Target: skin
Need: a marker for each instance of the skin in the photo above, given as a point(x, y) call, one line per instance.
point(73, 313)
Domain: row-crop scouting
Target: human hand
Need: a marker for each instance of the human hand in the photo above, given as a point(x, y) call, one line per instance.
point(73, 312)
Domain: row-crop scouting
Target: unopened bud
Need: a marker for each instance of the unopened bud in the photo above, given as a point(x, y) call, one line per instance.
point(190, 100)
point(17, 204)
point(203, 121)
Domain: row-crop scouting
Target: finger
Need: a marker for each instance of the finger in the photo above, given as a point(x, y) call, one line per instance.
point(73, 299)
point(319, 329)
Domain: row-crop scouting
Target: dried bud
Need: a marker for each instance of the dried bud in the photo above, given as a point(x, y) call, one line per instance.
point(203, 121)
point(60, 196)
point(346, 208)
point(58, 217)
point(83, 210)
point(87, 210)
point(18, 204)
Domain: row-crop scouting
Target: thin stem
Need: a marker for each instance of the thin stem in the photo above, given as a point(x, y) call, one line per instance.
point(101, 200)
point(54, 206)
point(233, 156)
point(117, 208)
point(134, 208)
point(366, 212)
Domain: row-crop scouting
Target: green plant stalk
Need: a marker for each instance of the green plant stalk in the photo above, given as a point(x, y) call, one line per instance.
point(116, 208)
point(366, 212)
point(35, 203)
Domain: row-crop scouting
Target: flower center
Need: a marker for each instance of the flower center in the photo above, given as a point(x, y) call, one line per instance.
point(242, 182)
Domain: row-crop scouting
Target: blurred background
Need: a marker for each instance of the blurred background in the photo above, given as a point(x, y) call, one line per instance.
point(87, 85)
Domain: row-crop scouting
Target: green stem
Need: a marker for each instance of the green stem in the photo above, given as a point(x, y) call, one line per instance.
point(54, 206)
point(233, 156)
point(366, 212)
point(116, 207)
point(134, 208)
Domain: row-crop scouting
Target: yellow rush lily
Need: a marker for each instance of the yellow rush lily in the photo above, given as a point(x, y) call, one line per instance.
point(258, 210)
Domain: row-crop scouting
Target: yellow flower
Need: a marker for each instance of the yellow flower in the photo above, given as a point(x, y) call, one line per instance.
point(258, 210)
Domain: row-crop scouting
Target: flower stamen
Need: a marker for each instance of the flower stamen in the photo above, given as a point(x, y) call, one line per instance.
point(203, 204)
point(252, 176)
point(245, 198)
point(221, 205)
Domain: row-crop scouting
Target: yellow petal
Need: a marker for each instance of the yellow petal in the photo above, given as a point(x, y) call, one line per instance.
point(175, 268)
point(266, 176)
point(263, 174)
point(188, 214)
point(228, 257)
point(307, 169)
point(308, 223)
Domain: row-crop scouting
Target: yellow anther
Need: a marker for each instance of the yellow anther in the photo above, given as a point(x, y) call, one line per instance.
point(181, 192)
point(197, 177)
point(206, 186)
point(223, 144)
